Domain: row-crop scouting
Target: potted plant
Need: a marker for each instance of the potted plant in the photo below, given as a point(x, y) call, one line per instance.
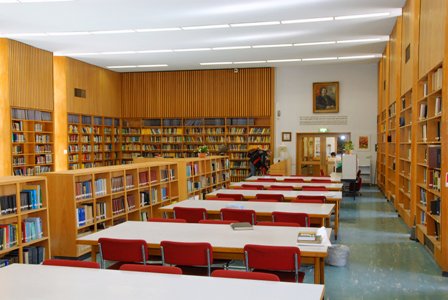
point(202, 151)
point(348, 147)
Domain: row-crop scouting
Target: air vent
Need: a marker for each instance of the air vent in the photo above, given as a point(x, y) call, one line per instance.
point(80, 93)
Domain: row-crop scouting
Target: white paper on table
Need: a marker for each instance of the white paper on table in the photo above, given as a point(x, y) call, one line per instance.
point(325, 240)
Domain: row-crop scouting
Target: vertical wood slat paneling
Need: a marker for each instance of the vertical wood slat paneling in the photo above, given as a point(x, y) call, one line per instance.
point(395, 62)
point(209, 93)
point(410, 23)
point(432, 34)
point(31, 76)
point(5, 110)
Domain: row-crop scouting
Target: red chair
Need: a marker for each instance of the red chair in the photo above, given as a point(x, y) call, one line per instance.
point(268, 223)
point(242, 215)
point(187, 255)
point(152, 269)
point(310, 199)
point(260, 187)
point(279, 197)
point(190, 214)
point(318, 188)
point(279, 260)
point(301, 218)
point(210, 221)
point(71, 263)
point(266, 180)
point(322, 173)
point(281, 187)
point(167, 220)
point(298, 180)
point(316, 180)
point(245, 275)
point(219, 199)
point(262, 200)
point(237, 197)
point(122, 251)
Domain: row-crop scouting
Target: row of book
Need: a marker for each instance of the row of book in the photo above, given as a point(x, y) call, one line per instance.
point(31, 229)
point(118, 206)
point(8, 204)
point(117, 184)
point(192, 169)
point(100, 186)
point(84, 215)
point(29, 114)
point(31, 171)
point(31, 255)
point(437, 108)
point(83, 190)
point(261, 130)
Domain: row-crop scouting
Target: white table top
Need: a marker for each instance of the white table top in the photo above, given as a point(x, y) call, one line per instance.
point(219, 236)
point(286, 194)
point(259, 207)
point(334, 178)
point(56, 283)
point(296, 185)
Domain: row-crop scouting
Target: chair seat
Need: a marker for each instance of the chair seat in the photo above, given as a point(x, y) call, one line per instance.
point(284, 276)
point(196, 271)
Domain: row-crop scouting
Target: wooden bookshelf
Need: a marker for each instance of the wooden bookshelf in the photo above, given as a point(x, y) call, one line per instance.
point(89, 200)
point(429, 154)
point(382, 142)
point(24, 226)
point(391, 159)
point(32, 141)
point(198, 176)
point(92, 141)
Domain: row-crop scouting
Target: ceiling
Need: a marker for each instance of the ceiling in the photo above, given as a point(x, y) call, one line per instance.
point(139, 35)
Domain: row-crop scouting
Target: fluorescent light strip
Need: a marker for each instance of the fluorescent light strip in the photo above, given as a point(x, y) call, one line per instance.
point(216, 63)
point(152, 66)
point(272, 46)
point(68, 33)
point(32, 1)
point(121, 67)
point(255, 24)
point(112, 31)
point(314, 43)
point(250, 62)
point(284, 60)
point(154, 51)
point(116, 52)
point(359, 41)
point(312, 20)
point(192, 50)
point(360, 56)
point(205, 27)
point(23, 34)
point(319, 58)
point(158, 29)
point(232, 48)
point(351, 17)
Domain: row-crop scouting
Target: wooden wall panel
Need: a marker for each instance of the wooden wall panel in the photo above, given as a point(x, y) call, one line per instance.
point(432, 34)
point(103, 89)
point(395, 62)
point(411, 18)
point(209, 93)
point(60, 113)
point(31, 76)
point(5, 111)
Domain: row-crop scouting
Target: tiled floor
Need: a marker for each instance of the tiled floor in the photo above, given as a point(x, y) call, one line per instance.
point(383, 263)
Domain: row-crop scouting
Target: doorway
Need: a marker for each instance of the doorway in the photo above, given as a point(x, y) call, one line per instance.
point(314, 149)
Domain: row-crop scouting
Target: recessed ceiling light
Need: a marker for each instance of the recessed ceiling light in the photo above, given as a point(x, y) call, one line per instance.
point(205, 27)
point(250, 62)
point(284, 60)
point(155, 51)
point(319, 58)
point(216, 63)
point(359, 41)
point(255, 24)
point(192, 50)
point(272, 46)
point(360, 56)
point(152, 66)
point(383, 14)
point(315, 43)
point(308, 20)
point(112, 31)
point(158, 29)
point(231, 48)
point(121, 67)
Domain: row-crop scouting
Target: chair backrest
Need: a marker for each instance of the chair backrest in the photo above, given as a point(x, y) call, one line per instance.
point(210, 221)
point(219, 199)
point(246, 188)
point(187, 254)
point(266, 179)
point(314, 188)
point(322, 173)
point(274, 258)
point(268, 223)
point(190, 214)
point(123, 250)
point(245, 275)
point(259, 187)
point(302, 218)
point(71, 263)
point(318, 180)
point(152, 269)
point(298, 180)
point(281, 187)
point(242, 215)
point(310, 199)
point(167, 220)
point(358, 184)
point(262, 200)
point(279, 197)
point(237, 197)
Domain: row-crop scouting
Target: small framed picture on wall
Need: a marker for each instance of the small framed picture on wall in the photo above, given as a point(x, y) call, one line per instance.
point(286, 136)
point(363, 143)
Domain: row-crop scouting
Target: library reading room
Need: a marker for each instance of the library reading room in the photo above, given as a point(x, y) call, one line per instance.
point(157, 149)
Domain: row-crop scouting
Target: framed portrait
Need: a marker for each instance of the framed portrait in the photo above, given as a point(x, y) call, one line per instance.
point(325, 97)
point(363, 143)
point(286, 136)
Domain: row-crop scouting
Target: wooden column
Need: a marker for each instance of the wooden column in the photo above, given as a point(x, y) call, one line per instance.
point(60, 113)
point(5, 110)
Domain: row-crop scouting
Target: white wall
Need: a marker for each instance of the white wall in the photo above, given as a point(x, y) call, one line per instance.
point(357, 100)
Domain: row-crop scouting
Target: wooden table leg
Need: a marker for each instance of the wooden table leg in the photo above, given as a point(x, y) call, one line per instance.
point(317, 269)
point(322, 270)
point(336, 220)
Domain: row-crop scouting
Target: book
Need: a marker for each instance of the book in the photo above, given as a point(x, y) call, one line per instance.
point(309, 237)
point(241, 226)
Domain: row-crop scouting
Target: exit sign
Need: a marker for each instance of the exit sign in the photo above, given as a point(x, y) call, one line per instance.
point(323, 129)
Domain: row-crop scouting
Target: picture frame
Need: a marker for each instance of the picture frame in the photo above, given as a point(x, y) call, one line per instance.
point(326, 97)
point(286, 136)
point(363, 143)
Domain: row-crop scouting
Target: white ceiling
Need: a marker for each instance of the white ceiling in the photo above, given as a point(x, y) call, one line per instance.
point(37, 23)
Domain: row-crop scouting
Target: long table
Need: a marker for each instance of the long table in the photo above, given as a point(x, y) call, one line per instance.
point(332, 197)
point(226, 243)
point(38, 282)
point(335, 178)
point(295, 185)
point(262, 209)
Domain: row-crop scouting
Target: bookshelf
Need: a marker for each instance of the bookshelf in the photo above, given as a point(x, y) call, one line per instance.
point(391, 159)
point(92, 141)
point(382, 140)
point(198, 176)
point(429, 154)
point(24, 227)
point(32, 141)
point(89, 200)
